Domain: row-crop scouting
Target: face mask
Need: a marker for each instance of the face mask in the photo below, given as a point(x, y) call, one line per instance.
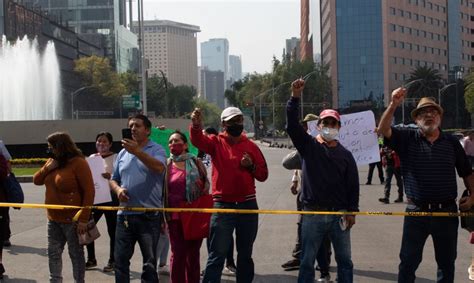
point(235, 130)
point(102, 148)
point(49, 152)
point(329, 134)
point(177, 148)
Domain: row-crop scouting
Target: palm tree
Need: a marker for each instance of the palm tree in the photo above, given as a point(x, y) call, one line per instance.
point(424, 81)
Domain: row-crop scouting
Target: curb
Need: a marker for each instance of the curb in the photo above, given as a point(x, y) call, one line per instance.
point(25, 179)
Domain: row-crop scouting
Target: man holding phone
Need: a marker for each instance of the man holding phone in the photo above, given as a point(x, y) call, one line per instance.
point(138, 182)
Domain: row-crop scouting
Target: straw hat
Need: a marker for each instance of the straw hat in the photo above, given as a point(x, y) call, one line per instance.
point(425, 102)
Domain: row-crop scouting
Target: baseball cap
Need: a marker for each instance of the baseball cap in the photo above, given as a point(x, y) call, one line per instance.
point(230, 112)
point(329, 113)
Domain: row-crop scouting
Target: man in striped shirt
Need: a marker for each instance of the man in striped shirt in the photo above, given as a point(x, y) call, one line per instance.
point(428, 158)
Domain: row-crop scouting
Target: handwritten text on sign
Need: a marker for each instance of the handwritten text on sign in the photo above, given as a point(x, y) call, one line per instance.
point(357, 134)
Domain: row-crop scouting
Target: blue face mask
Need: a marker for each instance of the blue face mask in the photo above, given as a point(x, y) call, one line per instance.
point(329, 134)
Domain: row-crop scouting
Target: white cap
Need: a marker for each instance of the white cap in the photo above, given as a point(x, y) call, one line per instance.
point(230, 112)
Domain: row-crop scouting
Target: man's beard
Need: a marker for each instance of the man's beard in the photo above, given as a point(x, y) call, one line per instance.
point(429, 129)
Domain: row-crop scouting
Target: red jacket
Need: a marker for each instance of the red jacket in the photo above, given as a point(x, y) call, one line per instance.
point(230, 181)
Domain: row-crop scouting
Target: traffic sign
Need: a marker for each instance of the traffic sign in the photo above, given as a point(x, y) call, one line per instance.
point(131, 101)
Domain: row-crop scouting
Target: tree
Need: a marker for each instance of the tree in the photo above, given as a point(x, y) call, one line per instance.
point(469, 94)
point(426, 82)
point(181, 100)
point(211, 113)
point(96, 72)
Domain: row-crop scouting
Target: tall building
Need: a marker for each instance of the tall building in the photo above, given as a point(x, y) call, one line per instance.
point(371, 46)
point(171, 47)
point(235, 68)
point(99, 19)
point(215, 57)
point(306, 42)
point(292, 48)
point(212, 87)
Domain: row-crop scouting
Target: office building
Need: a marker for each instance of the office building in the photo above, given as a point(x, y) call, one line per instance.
point(371, 46)
point(292, 48)
point(235, 68)
point(215, 57)
point(99, 20)
point(212, 87)
point(171, 48)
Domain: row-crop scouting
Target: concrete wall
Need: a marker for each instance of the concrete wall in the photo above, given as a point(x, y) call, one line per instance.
point(27, 139)
point(82, 131)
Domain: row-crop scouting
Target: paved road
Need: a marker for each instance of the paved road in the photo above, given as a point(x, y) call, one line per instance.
point(375, 239)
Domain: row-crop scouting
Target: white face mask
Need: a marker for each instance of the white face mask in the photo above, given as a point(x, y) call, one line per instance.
point(329, 134)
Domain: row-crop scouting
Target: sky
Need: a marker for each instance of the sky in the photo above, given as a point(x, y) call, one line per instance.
point(256, 30)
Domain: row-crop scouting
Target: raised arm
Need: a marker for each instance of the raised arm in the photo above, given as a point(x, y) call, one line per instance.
point(384, 128)
point(198, 139)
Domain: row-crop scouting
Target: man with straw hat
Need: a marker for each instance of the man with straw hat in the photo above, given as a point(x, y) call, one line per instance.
point(428, 158)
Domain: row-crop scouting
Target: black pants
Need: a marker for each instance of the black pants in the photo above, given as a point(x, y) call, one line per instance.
point(111, 220)
point(371, 172)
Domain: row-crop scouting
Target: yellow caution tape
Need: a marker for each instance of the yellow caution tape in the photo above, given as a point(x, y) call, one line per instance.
point(237, 211)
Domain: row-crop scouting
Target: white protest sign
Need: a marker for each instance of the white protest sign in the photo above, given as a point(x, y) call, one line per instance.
point(102, 189)
point(357, 134)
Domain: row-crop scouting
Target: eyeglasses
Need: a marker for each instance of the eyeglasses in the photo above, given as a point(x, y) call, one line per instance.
point(425, 111)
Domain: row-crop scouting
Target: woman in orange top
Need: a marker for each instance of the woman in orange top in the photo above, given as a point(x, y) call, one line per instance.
point(68, 181)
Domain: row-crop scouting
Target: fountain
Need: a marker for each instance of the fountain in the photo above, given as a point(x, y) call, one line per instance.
point(30, 87)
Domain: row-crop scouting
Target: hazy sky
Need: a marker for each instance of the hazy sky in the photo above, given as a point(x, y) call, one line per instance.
point(256, 30)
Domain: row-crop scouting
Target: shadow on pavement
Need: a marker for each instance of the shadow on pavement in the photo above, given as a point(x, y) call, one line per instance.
point(276, 278)
point(19, 280)
point(17, 249)
point(385, 276)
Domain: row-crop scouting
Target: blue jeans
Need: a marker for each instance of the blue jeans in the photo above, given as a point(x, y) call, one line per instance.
point(58, 235)
point(141, 228)
point(314, 229)
point(222, 227)
point(443, 230)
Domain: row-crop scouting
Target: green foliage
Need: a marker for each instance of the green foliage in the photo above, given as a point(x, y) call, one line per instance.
point(211, 113)
point(28, 161)
point(430, 80)
point(469, 94)
point(266, 89)
point(96, 72)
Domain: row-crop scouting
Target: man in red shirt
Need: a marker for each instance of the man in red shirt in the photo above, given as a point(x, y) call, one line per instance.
point(236, 163)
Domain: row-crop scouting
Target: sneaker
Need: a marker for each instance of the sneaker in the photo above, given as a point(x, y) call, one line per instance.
point(368, 183)
point(7, 243)
point(164, 270)
point(91, 263)
point(293, 264)
point(325, 277)
point(399, 200)
point(384, 200)
point(228, 270)
point(109, 267)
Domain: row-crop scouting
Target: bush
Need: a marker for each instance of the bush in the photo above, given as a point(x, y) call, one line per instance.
point(29, 161)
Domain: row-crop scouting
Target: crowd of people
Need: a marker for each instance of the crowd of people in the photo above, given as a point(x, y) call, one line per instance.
point(424, 162)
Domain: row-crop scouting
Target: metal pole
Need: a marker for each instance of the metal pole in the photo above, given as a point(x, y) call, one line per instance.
point(72, 105)
point(457, 103)
point(403, 112)
point(273, 116)
point(143, 70)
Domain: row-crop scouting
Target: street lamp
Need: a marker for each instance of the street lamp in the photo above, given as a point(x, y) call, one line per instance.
point(458, 79)
point(441, 90)
point(74, 93)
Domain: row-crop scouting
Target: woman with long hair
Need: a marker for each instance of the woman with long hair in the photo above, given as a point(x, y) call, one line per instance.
point(68, 181)
point(184, 184)
point(103, 144)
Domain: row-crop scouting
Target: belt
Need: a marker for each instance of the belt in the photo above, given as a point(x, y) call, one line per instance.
point(432, 205)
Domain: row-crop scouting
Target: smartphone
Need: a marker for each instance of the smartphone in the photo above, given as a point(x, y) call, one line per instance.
point(127, 134)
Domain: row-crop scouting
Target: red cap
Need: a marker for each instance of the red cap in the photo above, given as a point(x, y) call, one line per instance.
point(329, 113)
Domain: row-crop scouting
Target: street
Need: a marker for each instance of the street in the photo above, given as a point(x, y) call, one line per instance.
point(375, 239)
